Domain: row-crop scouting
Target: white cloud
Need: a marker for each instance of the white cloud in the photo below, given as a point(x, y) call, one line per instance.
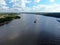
point(9, 10)
point(20, 5)
point(52, 8)
point(2, 2)
point(14, 0)
point(16, 7)
point(37, 1)
point(23, 3)
point(52, 0)
point(44, 8)
point(3, 5)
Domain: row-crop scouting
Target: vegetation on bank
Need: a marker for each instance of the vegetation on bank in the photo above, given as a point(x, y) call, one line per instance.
point(7, 17)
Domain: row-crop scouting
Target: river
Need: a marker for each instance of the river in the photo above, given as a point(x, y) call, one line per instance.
point(23, 31)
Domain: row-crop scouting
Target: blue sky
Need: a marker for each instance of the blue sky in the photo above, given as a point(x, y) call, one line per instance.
point(29, 5)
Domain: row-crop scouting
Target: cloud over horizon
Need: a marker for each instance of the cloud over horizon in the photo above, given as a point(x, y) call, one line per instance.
point(29, 6)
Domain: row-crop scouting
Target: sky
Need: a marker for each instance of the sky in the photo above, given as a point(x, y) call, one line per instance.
point(29, 5)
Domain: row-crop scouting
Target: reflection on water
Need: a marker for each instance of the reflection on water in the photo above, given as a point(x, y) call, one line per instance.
point(46, 31)
point(1, 24)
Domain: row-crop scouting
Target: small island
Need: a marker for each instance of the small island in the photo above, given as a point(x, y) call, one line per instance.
point(5, 18)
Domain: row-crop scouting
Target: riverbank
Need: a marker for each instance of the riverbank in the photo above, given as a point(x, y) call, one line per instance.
point(7, 18)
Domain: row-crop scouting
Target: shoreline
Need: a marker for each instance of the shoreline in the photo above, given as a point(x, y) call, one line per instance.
point(5, 19)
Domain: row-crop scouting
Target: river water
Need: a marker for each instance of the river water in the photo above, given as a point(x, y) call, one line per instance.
point(23, 31)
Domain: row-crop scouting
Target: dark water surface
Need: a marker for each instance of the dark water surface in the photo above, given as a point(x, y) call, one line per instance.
point(46, 31)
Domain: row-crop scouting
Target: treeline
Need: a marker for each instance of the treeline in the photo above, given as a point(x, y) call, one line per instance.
point(9, 13)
